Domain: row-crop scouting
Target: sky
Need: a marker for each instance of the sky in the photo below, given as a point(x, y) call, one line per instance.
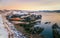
point(30, 4)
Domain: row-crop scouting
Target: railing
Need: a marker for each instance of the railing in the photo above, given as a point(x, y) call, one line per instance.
point(9, 31)
point(12, 32)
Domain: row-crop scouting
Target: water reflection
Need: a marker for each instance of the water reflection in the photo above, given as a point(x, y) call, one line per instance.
point(48, 19)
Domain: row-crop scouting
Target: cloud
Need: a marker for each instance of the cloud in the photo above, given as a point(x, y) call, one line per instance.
point(30, 4)
point(30, 1)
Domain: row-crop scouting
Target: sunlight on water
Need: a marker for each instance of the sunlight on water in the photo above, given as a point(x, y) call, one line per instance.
point(49, 17)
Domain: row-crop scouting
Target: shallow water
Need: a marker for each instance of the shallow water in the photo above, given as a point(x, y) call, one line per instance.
point(48, 17)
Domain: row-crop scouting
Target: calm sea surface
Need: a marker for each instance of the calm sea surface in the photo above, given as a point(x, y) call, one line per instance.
point(48, 17)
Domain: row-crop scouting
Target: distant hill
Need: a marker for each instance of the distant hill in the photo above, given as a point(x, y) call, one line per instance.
point(49, 11)
point(58, 11)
